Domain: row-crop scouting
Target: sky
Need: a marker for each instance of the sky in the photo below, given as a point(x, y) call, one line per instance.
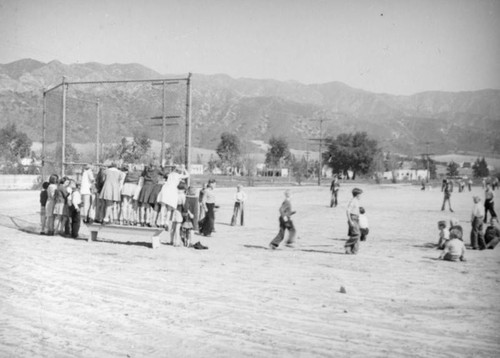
point(386, 46)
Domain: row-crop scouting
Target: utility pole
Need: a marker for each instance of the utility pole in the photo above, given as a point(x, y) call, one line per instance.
point(427, 157)
point(320, 140)
point(63, 141)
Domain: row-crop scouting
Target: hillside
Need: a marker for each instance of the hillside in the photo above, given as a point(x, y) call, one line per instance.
point(253, 109)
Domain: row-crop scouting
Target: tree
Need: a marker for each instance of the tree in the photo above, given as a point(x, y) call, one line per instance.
point(212, 164)
point(300, 169)
point(452, 169)
point(355, 152)
point(229, 150)
point(14, 144)
point(278, 152)
point(480, 168)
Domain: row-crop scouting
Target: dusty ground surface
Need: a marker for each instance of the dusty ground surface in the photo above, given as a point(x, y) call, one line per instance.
point(61, 297)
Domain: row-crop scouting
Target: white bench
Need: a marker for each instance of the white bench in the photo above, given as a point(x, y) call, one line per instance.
point(151, 232)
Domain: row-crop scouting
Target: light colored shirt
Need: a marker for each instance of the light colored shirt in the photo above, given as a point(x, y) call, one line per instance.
point(454, 247)
point(489, 194)
point(477, 211)
point(353, 207)
point(87, 181)
point(209, 197)
point(240, 196)
point(76, 198)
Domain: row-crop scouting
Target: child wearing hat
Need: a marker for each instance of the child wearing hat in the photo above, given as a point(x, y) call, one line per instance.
point(476, 234)
point(354, 232)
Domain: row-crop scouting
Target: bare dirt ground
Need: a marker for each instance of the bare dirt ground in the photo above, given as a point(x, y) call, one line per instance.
point(61, 297)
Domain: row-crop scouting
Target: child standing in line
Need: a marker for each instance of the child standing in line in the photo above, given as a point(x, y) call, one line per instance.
point(239, 206)
point(74, 209)
point(286, 223)
point(43, 203)
point(444, 234)
point(354, 233)
point(363, 224)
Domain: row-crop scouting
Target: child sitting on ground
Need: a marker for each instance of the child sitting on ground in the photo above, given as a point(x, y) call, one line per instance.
point(363, 224)
point(444, 234)
point(454, 250)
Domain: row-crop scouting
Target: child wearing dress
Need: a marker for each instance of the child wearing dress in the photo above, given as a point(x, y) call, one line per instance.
point(43, 203)
point(444, 234)
point(363, 224)
point(49, 206)
point(188, 219)
point(61, 212)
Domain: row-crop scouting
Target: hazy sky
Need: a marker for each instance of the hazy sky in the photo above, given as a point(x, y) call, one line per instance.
point(393, 46)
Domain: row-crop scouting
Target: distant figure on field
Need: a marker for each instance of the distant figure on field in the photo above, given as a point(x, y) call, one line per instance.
point(448, 189)
point(444, 234)
point(476, 234)
point(334, 189)
point(354, 232)
point(286, 223)
point(469, 184)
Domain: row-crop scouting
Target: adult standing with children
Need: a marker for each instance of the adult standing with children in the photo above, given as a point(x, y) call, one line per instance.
point(208, 204)
point(489, 203)
point(476, 234)
point(354, 231)
point(111, 192)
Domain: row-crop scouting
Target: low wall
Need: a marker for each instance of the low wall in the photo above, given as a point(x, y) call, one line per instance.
point(18, 182)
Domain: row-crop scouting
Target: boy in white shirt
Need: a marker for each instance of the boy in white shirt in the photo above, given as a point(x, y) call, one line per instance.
point(239, 204)
point(444, 234)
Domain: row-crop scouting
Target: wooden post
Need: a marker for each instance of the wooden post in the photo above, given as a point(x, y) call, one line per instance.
point(163, 117)
point(98, 132)
point(63, 140)
point(44, 124)
point(188, 125)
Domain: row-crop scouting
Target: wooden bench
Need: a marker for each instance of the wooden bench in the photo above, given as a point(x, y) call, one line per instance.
point(152, 233)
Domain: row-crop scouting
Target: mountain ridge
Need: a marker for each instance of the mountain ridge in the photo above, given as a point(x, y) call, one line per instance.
point(256, 109)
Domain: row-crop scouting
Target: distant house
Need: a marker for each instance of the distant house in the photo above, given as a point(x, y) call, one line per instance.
point(196, 169)
point(406, 174)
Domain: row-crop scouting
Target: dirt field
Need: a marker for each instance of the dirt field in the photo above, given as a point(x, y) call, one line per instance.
point(69, 298)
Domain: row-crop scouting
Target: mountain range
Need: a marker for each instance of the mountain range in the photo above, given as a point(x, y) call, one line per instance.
point(253, 109)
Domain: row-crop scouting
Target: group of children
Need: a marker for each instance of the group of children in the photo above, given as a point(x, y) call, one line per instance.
point(127, 196)
point(60, 205)
point(451, 238)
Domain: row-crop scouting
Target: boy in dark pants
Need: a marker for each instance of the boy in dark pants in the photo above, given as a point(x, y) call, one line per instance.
point(352, 244)
point(74, 210)
point(476, 234)
point(285, 224)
